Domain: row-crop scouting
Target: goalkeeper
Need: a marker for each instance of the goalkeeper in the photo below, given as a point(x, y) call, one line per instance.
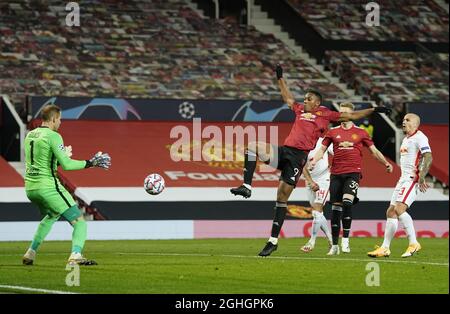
point(44, 151)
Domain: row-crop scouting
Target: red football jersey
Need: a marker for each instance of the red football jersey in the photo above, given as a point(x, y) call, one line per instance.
point(309, 126)
point(347, 147)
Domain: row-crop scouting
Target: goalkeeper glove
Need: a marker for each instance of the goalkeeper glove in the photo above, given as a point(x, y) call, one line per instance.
point(99, 160)
point(279, 71)
point(385, 110)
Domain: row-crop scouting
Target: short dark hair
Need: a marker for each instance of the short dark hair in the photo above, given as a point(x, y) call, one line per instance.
point(49, 111)
point(315, 92)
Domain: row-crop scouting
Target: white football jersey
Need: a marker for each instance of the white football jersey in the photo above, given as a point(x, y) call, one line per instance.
point(321, 167)
point(410, 151)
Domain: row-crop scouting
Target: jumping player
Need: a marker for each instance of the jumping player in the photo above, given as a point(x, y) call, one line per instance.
point(311, 120)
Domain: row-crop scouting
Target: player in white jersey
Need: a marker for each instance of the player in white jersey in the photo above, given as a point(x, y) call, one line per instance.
point(317, 188)
point(415, 161)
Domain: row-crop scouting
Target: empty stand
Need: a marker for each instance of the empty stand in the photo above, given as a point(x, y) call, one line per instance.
point(136, 48)
point(404, 20)
point(391, 77)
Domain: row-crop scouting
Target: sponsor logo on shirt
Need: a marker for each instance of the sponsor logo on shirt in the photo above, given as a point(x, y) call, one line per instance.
point(346, 145)
point(403, 150)
point(308, 116)
point(32, 171)
point(61, 147)
point(425, 148)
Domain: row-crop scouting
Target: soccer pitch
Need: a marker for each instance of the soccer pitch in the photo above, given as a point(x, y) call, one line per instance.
point(228, 266)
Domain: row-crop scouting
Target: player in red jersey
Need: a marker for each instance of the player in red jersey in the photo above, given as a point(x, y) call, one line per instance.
point(348, 141)
point(311, 121)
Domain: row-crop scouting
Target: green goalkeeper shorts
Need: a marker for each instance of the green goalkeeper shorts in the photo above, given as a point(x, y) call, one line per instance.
point(54, 202)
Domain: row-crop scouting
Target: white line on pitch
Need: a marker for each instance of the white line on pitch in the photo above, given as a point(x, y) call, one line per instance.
point(35, 290)
point(270, 257)
point(293, 258)
point(21, 254)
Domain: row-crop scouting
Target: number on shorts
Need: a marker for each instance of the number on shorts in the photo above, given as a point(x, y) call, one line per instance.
point(354, 186)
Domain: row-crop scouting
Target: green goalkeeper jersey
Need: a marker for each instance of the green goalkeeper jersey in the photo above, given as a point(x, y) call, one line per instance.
point(44, 150)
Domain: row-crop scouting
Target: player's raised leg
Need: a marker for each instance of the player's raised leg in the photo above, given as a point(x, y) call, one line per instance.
point(254, 151)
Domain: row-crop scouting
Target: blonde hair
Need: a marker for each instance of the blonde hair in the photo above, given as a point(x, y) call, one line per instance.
point(347, 105)
point(49, 111)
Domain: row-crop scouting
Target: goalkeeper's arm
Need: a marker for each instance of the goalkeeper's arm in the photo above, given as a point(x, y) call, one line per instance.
point(59, 151)
point(101, 160)
point(62, 156)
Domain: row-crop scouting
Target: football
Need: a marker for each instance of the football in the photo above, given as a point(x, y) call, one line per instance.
point(186, 110)
point(154, 184)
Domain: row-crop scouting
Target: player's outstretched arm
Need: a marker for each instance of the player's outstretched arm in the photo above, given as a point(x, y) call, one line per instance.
point(101, 160)
point(285, 93)
point(62, 156)
point(309, 180)
point(359, 114)
point(318, 156)
point(380, 157)
point(425, 164)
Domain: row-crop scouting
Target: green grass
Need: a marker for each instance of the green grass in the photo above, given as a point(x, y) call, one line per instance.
point(227, 266)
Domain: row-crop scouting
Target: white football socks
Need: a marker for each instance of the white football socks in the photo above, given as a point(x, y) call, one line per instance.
point(389, 232)
point(345, 242)
point(319, 221)
point(408, 225)
point(316, 224)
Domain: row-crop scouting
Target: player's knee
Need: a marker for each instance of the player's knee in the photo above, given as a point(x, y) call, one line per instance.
point(317, 207)
point(73, 222)
point(252, 147)
point(400, 208)
point(337, 207)
point(348, 197)
point(281, 204)
point(390, 213)
point(316, 213)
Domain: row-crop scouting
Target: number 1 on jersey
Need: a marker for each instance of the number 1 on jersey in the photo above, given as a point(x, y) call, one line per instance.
point(31, 151)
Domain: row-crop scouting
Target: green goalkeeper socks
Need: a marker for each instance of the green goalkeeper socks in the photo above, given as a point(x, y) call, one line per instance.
point(44, 228)
point(79, 236)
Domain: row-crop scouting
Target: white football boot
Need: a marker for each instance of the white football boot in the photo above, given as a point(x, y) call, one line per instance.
point(29, 257)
